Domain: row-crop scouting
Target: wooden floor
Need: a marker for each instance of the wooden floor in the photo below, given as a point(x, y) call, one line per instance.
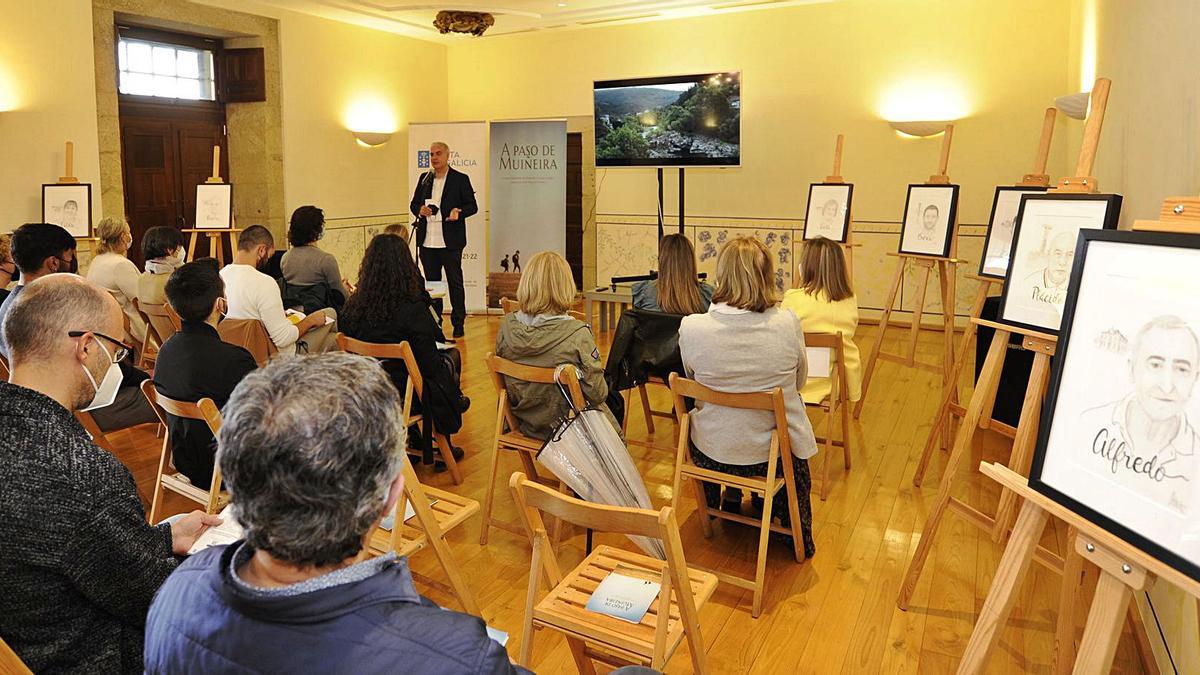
point(834, 613)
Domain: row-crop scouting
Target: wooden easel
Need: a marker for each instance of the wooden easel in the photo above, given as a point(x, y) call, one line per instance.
point(946, 280)
point(1123, 569)
point(1042, 345)
point(69, 175)
point(215, 249)
point(1039, 178)
point(836, 177)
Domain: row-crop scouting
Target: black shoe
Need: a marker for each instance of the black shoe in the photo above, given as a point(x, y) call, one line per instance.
point(464, 404)
point(458, 331)
point(439, 466)
point(731, 506)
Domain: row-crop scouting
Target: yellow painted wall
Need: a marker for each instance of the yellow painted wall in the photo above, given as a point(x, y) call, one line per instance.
point(335, 75)
point(809, 72)
point(47, 96)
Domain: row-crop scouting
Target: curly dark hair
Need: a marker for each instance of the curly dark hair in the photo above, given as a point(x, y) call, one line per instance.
point(387, 280)
point(307, 224)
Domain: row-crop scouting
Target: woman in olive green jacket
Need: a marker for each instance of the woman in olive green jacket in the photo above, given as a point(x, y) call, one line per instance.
point(543, 334)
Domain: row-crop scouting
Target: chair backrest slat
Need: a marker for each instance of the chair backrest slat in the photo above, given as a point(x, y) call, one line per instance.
point(204, 410)
point(599, 517)
point(759, 400)
point(157, 317)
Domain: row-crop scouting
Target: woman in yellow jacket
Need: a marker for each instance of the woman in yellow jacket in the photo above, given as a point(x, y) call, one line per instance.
point(824, 302)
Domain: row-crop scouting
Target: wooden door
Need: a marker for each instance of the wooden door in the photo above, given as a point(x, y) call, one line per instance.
point(575, 206)
point(149, 166)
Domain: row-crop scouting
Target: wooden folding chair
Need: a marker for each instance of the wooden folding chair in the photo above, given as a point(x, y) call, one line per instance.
point(251, 335)
point(508, 305)
point(3, 368)
point(415, 387)
point(824, 348)
point(591, 635)
point(508, 433)
point(161, 323)
point(213, 499)
point(10, 663)
point(781, 449)
point(435, 512)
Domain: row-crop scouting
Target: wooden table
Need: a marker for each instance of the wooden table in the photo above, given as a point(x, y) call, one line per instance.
point(611, 302)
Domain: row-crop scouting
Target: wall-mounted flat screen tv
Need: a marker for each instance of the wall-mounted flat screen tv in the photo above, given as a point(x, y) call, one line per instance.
point(679, 120)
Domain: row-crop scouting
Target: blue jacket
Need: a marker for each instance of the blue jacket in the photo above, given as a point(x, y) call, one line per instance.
point(202, 622)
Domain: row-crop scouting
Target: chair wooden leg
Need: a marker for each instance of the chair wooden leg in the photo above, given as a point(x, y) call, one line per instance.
point(645, 409)
point(625, 418)
point(760, 567)
point(702, 507)
point(582, 661)
point(156, 500)
point(453, 572)
point(844, 407)
point(491, 493)
point(531, 592)
point(828, 454)
point(443, 444)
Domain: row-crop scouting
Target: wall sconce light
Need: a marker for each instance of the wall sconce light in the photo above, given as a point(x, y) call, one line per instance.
point(371, 139)
point(1074, 106)
point(920, 129)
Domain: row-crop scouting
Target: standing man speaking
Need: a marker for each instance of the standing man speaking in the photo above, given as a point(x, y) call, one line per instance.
point(442, 202)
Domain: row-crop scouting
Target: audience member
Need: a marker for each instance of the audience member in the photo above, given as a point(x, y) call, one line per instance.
point(40, 249)
point(298, 593)
point(824, 302)
point(162, 249)
point(746, 343)
point(677, 289)
point(79, 565)
point(391, 306)
point(400, 230)
point(112, 270)
point(311, 274)
point(8, 268)
point(195, 363)
point(542, 334)
point(254, 295)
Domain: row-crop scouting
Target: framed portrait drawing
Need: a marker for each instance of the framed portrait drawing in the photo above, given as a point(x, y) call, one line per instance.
point(929, 213)
point(68, 205)
point(1118, 442)
point(828, 212)
point(214, 206)
point(1001, 224)
point(1043, 248)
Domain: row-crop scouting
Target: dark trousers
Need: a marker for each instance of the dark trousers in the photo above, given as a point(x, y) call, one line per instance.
point(434, 260)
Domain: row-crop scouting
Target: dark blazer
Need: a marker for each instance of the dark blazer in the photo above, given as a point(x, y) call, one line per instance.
point(457, 194)
point(203, 621)
point(194, 364)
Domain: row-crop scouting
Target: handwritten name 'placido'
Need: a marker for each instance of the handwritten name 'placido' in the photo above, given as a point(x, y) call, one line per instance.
point(1115, 450)
point(618, 604)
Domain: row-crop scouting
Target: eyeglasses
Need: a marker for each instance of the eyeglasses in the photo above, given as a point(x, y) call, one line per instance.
point(119, 355)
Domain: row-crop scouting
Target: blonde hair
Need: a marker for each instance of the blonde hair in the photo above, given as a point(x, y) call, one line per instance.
point(5, 248)
point(823, 270)
point(547, 286)
point(746, 275)
point(398, 229)
point(677, 287)
point(109, 232)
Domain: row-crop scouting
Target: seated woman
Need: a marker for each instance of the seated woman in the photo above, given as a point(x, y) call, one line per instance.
point(746, 343)
point(113, 271)
point(400, 230)
point(824, 302)
point(542, 334)
point(162, 249)
point(8, 268)
point(677, 289)
point(314, 272)
point(391, 306)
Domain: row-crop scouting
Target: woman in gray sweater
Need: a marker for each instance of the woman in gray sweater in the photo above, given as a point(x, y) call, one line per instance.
point(306, 265)
point(747, 343)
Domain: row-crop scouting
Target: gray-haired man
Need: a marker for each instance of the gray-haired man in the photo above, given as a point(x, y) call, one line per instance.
point(311, 453)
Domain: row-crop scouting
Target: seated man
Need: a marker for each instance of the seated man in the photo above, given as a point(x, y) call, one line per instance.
point(195, 363)
point(40, 249)
point(254, 295)
point(311, 453)
point(78, 564)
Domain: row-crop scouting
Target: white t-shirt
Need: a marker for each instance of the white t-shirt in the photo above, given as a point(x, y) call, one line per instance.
point(433, 224)
point(117, 274)
point(254, 295)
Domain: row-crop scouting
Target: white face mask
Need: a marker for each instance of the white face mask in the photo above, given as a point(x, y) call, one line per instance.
point(106, 391)
point(180, 255)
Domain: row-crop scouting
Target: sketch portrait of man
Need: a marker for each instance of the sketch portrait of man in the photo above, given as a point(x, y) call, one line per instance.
point(1145, 441)
point(929, 221)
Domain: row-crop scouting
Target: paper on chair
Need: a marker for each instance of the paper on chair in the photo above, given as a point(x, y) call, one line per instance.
point(229, 531)
point(408, 514)
point(819, 361)
point(624, 597)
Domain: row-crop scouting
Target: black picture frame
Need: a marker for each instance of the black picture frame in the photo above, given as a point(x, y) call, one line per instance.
point(1036, 482)
point(66, 187)
point(1111, 215)
point(845, 232)
point(987, 239)
point(950, 223)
